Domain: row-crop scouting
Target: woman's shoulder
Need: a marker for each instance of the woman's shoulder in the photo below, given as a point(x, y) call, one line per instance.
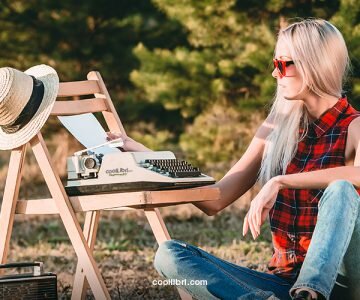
point(354, 130)
point(354, 123)
point(349, 116)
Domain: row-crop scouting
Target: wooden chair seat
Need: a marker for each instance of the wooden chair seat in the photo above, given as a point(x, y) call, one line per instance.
point(133, 200)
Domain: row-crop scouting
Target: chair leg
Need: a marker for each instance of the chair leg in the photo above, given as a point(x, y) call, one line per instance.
point(157, 224)
point(161, 235)
point(81, 285)
point(68, 217)
point(11, 193)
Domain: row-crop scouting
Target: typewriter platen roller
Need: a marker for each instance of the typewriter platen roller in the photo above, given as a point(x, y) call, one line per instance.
point(131, 171)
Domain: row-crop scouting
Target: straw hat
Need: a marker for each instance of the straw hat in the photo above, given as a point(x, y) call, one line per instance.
point(26, 100)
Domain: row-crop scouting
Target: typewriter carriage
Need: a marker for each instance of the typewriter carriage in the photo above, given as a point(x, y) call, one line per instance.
point(84, 166)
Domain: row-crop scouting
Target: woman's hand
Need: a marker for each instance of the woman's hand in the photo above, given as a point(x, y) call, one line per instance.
point(129, 143)
point(261, 206)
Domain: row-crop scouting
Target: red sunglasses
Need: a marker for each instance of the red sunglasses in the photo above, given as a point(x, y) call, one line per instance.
point(281, 65)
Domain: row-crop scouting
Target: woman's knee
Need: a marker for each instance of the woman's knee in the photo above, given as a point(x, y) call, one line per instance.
point(340, 191)
point(340, 185)
point(166, 258)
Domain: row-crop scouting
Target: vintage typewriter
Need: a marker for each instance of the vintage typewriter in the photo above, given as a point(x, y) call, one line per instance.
point(92, 173)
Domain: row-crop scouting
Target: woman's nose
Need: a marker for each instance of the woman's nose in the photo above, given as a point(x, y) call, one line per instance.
point(275, 73)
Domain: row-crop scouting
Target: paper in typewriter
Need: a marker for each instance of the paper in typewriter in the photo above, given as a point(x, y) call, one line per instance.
point(88, 131)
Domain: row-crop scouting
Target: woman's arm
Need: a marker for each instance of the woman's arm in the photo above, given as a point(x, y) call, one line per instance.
point(319, 179)
point(242, 176)
point(322, 178)
point(237, 181)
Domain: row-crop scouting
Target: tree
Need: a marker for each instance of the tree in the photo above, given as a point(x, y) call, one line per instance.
point(225, 69)
point(76, 37)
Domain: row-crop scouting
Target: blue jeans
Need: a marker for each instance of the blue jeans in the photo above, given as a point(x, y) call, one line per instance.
point(335, 242)
point(179, 260)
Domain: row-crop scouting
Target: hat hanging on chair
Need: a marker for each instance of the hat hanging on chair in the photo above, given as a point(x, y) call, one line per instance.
point(26, 100)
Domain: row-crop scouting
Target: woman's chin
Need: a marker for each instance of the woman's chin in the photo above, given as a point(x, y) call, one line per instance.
point(287, 97)
point(294, 96)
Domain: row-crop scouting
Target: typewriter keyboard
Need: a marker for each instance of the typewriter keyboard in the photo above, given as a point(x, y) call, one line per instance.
point(171, 167)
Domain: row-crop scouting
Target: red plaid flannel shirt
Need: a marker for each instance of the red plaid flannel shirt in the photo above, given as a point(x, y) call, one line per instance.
point(294, 214)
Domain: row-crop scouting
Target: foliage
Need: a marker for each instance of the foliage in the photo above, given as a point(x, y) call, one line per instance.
point(171, 65)
point(224, 129)
point(348, 21)
point(77, 37)
point(225, 68)
point(227, 59)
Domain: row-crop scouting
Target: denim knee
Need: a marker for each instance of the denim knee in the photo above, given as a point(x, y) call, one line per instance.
point(340, 185)
point(165, 261)
point(339, 190)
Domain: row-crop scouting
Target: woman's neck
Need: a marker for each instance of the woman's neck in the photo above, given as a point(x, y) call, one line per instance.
point(317, 105)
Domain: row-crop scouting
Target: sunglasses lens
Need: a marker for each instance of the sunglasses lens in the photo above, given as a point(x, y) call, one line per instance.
point(281, 68)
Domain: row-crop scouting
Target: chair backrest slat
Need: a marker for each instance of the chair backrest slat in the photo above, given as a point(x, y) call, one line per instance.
point(68, 108)
point(93, 87)
point(111, 117)
point(78, 88)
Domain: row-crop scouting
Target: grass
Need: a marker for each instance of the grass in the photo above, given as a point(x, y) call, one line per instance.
point(125, 247)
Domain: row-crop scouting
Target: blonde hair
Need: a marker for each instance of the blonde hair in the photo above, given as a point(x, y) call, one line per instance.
point(321, 58)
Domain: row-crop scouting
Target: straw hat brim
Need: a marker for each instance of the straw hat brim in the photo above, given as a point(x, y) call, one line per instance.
point(50, 80)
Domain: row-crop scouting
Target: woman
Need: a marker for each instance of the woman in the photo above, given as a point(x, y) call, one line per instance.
point(308, 143)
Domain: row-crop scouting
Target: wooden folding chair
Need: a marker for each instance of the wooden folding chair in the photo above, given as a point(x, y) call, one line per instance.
point(87, 272)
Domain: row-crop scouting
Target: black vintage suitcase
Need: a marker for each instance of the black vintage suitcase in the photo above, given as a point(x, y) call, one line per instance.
point(35, 285)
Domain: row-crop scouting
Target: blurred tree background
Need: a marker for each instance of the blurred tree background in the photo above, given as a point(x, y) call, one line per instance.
point(190, 76)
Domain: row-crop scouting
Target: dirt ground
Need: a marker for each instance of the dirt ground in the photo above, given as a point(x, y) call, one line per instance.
point(125, 247)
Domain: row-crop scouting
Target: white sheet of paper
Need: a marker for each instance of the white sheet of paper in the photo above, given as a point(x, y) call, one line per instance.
point(88, 131)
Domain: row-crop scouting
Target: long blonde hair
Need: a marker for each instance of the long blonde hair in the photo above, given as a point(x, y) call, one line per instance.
point(321, 58)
